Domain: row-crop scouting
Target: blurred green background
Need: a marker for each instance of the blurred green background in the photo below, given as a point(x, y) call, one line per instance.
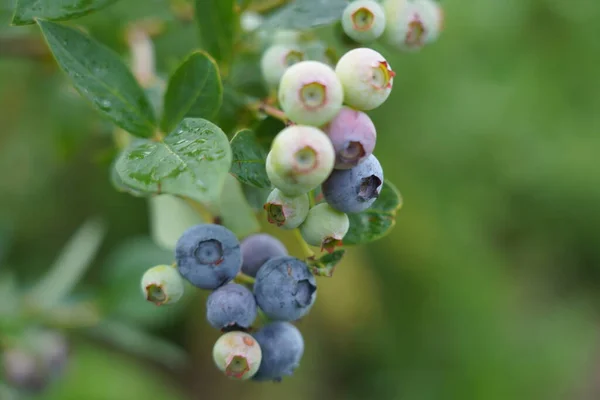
point(486, 289)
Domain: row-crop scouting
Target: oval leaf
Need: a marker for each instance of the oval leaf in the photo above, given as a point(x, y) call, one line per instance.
point(377, 221)
point(249, 160)
point(100, 76)
point(27, 10)
point(195, 90)
point(305, 14)
point(193, 161)
point(217, 25)
point(235, 212)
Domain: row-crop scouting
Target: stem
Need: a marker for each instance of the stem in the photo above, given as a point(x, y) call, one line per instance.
point(274, 112)
point(244, 279)
point(308, 253)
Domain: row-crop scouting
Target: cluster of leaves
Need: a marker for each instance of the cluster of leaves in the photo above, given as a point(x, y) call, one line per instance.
point(178, 147)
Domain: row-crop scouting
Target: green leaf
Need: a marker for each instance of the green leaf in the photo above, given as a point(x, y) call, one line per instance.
point(193, 161)
point(267, 129)
point(305, 14)
point(101, 77)
point(27, 11)
point(195, 90)
point(249, 160)
point(325, 266)
point(218, 27)
point(70, 265)
point(118, 184)
point(237, 215)
point(377, 221)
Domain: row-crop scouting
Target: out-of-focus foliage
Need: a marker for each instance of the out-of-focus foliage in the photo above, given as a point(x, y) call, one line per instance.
point(486, 289)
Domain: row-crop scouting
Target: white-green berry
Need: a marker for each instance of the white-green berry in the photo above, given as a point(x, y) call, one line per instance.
point(162, 284)
point(238, 355)
point(325, 227)
point(310, 93)
point(287, 212)
point(250, 21)
point(301, 158)
point(276, 60)
point(432, 16)
point(410, 25)
point(367, 78)
point(363, 20)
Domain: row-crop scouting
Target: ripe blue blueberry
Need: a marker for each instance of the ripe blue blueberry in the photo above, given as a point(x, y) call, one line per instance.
point(285, 289)
point(258, 249)
point(310, 93)
point(238, 355)
point(208, 256)
point(325, 227)
point(367, 78)
point(354, 190)
point(276, 60)
point(162, 285)
point(287, 212)
point(282, 349)
point(301, 158)
point(353, 135)
point(363, 20)
point(231, 306)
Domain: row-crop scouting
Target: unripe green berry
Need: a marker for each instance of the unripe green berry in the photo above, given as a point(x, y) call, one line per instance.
point(367, 78)
point(276, 60)
point(301, 158)
point(287, 212)
point(363, 20)
point(310, 93)
point(238, 355)
point(162, 285)
point(410, 25)
point(325, 227)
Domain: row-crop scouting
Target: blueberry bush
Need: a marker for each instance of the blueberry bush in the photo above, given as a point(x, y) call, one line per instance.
point(264, 120)
point(486, 288)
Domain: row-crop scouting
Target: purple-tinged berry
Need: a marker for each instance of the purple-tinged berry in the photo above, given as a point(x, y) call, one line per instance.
point(276, 60)
point(287, 212)
point(367, 78)
point(208, 256)
point(282, 348)
point(259, 248)
point(231, 306)
point(238, 355)
point(353, 135)
point(363, 20)
point(310, 93)
point(354, 190)
point(285, 289)
point(301, 158)
point(162, 285)
point(325, 227)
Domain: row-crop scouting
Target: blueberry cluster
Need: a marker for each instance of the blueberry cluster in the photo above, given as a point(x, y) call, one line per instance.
point(284, 290)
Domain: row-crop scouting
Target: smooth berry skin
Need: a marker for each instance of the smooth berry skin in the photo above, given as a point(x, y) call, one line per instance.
point(208, 256)
point(353, 136)
point(411, 25)
point(282, 349)
point(354, 190)
point(287, 212)
point(231, 306)
point(301, 158)
point(238, 355)
point(285, 289)
point(162, 284)
point(259, 248)
point(276, 60)
point(363, 21)
point(310, 93)
point(325, 227)
point(366, 77)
